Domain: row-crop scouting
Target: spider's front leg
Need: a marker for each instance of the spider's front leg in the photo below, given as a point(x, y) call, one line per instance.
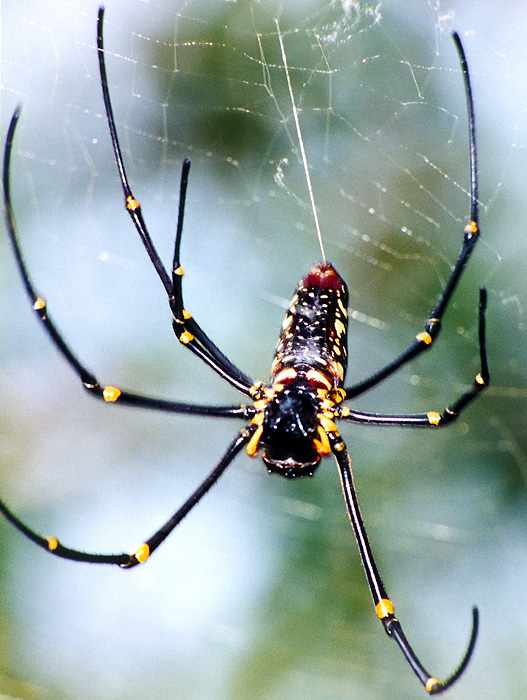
point(187, 330)
point(423, 340)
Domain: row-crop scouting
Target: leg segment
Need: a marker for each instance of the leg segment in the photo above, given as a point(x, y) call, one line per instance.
point(186, 328)
point(126, 561)
point(384, 607)
point(434, 419)
point(424, 340)
point(106, 393)
point(189, 334)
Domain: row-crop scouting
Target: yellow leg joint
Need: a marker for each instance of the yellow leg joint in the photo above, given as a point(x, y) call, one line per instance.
point(132, 203)
point(479, 379)
point(186, 337)
point(322, 446)
point(424, 337)
point(432, 684)
point(142, 553)
point(252, 445)
point(434, 418)
point(179, 271)
point(186, 314)
point(39, 304)
point(471, 227)
point(53, 543)
point(328, 424)
point(111, 393)
point(384, 608)
point(258, 418)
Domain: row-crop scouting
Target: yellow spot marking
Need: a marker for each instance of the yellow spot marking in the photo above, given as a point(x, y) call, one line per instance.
point(39, 304)
point(384, 608)
point(132, 203)
point(471, 227)
point(287, 322)
point(315, 376)
point(322, 446)
point(336, 350)
point(260, 404)
point(479, 379)
point(327, 423)
point(342, 307)
point(340, 371)
point(339, 327)
point(111, 393)
point(186, 337)
point(276, 364)
point(53, 543)
point(252, 445)
point(186, 314)
point(340, 446)
point(434, 418)
point(424, 337)
point(179, 271)
point(432, 683)
point(142, 553)
point(322, 393)
point(287, 373)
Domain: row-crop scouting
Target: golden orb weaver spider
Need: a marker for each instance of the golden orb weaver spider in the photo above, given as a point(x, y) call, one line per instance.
point(293, 417)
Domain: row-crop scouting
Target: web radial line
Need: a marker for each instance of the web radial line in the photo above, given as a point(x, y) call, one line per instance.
point(300, 141)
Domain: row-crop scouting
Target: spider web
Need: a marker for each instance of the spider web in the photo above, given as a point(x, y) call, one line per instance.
point(260, 593)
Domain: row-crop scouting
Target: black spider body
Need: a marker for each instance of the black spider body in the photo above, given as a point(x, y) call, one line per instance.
point(307, 372)
point(292, 420)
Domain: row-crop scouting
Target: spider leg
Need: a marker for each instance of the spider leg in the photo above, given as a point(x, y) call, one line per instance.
point(435, 419)
point(384, 607)
point(188, 332)
point(126, 561)
point(106, 393)
point(423, 341)
point(187, 329)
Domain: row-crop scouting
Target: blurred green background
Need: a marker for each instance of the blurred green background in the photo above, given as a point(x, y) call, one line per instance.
point(260, 593)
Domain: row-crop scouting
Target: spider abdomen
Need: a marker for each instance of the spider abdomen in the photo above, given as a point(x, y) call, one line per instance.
point(314, 330)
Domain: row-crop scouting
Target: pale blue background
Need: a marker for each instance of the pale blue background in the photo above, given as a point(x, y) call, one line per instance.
point(260, 593)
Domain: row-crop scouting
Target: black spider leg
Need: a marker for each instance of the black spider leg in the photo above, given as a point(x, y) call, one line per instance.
point(108, 393)
point(435, 419)
point(424, 340)
point(201, 345)
point(384, 607)
point(126, 561)
point(186, 328)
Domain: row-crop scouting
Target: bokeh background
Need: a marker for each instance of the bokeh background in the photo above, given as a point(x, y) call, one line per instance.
point(260, 593)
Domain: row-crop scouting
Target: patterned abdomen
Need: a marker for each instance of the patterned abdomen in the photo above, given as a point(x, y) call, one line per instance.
point(314, 330)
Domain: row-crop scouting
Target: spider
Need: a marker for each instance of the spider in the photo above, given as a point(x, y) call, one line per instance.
point(292, 418)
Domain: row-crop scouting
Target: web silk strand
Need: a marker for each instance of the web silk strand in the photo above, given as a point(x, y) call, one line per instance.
point(300, 141)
